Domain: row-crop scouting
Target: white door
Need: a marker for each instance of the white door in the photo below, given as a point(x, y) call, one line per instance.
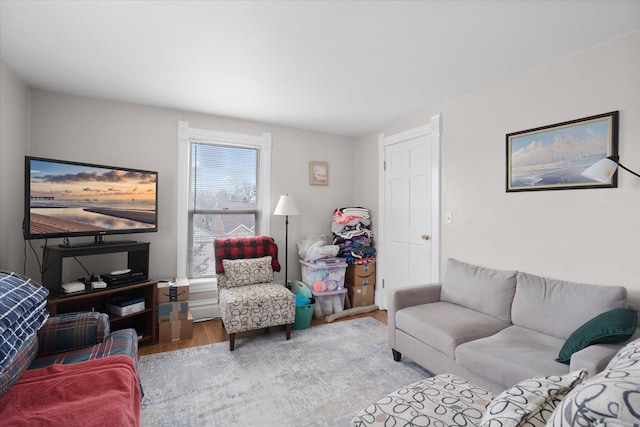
point(409, 237)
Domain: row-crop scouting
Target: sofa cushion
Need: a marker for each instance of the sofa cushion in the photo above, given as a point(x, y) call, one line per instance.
point(482, 289)
point(70, 331)
point(444, 325)
point(613, 326)
point(512, 355)
point(250, 271)
point(557, 307)
point(123, 342)
point(530, 402)
point(443, 400)
point(612, 397)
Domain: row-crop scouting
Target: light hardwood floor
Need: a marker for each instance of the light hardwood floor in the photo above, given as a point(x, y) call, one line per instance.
point(211, 331)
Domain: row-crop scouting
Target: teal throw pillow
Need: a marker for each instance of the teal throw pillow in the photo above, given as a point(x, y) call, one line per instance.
point(615, 325)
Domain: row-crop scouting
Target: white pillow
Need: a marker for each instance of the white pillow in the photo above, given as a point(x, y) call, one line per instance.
point(530, 402)
point(248, 271)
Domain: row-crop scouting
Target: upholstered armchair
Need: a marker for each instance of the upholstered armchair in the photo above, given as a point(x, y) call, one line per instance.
point(248, 297)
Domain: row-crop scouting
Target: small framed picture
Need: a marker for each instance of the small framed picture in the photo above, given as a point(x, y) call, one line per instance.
point(318, 173)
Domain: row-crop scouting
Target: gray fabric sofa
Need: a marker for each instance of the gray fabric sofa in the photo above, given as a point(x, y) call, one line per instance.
point(496, 328)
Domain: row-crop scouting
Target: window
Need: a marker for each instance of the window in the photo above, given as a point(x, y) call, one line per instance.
point(224, 189)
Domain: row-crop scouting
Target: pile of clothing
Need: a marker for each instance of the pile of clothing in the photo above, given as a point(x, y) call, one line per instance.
point(352, 234)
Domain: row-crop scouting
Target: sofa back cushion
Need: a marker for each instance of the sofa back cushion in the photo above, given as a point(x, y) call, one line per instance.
point(482, 289)
point(557, 308)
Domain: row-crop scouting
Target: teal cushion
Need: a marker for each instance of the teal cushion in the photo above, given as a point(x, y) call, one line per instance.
point(616, 325)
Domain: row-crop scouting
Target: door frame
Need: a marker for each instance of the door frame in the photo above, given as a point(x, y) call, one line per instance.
point(431, 130)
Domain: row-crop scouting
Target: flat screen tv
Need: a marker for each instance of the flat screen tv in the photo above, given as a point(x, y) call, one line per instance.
point(69, 199)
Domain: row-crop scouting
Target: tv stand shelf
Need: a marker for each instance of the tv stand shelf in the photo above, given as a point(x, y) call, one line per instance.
point(137, 260)
point(144, 322)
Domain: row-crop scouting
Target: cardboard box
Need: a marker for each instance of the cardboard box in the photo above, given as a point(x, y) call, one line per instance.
point(170, 292)
point(361, 296)
point(171, 311)
point(176, 330)
point(361, 274)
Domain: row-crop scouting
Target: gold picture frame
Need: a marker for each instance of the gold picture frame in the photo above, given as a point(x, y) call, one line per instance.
point(318, 173)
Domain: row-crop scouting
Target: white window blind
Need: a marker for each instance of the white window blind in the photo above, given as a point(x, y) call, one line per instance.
point(223, 200)
point(224, 190)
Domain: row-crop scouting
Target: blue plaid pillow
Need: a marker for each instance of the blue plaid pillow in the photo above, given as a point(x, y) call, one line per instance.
point(22, 313)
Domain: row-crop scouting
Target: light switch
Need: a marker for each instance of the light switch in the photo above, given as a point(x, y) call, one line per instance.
point(448, 217)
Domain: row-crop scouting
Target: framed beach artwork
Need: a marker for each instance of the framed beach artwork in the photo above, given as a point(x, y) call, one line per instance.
point(318, 173)
point(553, 157)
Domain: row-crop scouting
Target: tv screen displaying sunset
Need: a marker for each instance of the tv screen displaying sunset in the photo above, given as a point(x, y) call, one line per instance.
point(77, 198)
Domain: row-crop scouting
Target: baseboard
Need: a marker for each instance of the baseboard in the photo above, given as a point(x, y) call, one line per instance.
point(205, 309)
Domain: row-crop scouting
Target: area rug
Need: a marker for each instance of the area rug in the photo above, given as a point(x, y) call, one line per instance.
point(321, 377)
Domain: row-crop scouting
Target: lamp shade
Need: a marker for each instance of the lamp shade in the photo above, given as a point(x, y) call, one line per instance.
point(286, 206)
point(602, 170)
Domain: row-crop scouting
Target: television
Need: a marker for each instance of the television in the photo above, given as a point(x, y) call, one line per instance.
point(69, 199)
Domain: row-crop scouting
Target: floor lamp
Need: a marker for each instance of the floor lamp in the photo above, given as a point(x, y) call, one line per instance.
point(286, 206)
point(604, 169)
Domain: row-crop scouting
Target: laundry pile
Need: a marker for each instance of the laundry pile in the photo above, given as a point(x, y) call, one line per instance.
point(352, 234)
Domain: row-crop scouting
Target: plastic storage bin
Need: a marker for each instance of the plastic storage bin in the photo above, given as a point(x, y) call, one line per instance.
point(324, 275)
point(329, 302)
point(304, 313)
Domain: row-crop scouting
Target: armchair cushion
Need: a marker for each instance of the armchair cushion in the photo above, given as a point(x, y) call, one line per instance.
point(244, 308)
point(71, 331)
point(250, 271)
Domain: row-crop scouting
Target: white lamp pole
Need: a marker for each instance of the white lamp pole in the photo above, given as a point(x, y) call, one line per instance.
point(286, 206)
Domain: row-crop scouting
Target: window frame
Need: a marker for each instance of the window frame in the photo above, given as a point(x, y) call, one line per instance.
point(187, 135)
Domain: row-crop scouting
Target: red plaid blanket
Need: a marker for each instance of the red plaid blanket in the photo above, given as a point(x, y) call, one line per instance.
point(245, 247)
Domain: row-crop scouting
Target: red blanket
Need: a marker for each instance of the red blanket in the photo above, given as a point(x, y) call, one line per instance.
point(245, 247)
point(97, 392)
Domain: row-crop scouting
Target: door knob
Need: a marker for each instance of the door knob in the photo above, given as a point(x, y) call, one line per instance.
point(425, 237)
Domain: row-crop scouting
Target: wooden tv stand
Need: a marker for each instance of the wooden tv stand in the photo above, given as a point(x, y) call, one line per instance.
point(145, 321)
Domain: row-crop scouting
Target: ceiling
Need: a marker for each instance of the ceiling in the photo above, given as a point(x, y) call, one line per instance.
point(343, 67)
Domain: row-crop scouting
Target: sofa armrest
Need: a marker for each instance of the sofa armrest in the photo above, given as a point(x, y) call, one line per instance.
point(595, 358)
point(71, 331)
point(400, 298)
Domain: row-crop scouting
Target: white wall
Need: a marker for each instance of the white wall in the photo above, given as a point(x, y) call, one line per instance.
point(591, 236)
point(111, 133)
point(14, 105)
